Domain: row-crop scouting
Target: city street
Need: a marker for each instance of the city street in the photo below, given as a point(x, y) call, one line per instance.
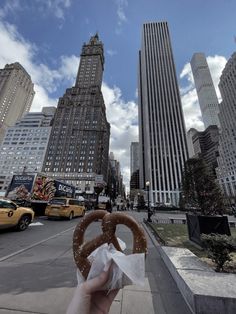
point(38, 273)
point(37, 268)
point(41, 229)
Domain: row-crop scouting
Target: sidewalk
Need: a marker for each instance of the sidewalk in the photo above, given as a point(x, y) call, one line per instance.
point(160, 294)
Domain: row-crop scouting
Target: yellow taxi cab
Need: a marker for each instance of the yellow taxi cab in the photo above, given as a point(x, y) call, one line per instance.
point(65, 207)
point(12, 215)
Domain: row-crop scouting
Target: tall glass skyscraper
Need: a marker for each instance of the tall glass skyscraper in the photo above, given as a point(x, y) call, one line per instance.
point(162, 135)
point(206, 93)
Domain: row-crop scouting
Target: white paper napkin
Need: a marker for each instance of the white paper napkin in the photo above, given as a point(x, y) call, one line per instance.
point(126, 269)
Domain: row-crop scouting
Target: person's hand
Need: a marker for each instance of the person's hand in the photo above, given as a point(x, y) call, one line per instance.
point(90, 299)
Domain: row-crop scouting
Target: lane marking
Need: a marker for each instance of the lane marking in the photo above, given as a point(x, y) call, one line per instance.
point(35, 244)
point(20, 311)
point(36, 224)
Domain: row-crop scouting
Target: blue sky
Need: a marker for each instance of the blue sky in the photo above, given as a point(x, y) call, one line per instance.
point(46, 36)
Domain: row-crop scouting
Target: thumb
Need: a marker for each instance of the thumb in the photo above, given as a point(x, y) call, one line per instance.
point(96, 283)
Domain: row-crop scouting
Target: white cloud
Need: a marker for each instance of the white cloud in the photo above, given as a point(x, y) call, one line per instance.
point(187, 72)
point(111, 52)
point(42, 99)
point(121, 4)
point(13, 46)
point(69, 67)
point(15, 49)
point(191, 109)
point(216, 65)
point(54, 7)
point(57, 6)
point(123, 118)
point(10, 6)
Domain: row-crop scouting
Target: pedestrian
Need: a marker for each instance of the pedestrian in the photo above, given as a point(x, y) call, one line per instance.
point(131, 206)
point(108, 206)
point(128, 205)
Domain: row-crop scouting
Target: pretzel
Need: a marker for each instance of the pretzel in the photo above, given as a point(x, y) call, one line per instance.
point(83, 249)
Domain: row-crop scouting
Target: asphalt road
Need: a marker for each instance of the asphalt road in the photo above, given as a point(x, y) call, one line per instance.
point(37, 269)
point(41, 229)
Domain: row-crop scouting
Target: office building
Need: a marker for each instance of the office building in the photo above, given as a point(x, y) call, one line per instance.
point(226, 171)
point(134, 180)
point(205, 146)
point(24, 145)
point(134, 165)
point(162, 135)
point(115, 180)
point(191, 132)
point(79, 142)
point(16, 95)
point(134, 157)
point(206, 93)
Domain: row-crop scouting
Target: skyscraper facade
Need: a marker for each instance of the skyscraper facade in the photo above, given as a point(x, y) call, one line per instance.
point(134, 165)
point(79, 142)
point(24, 145)
point(16, 95)
point(115, 180)
point(191, 132)
point(134, 157)
point(226, 171)
point(162, 136)
point(206, 93)
point(205, 146)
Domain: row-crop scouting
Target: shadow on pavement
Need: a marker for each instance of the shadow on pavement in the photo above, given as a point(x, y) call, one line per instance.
point(36, 277)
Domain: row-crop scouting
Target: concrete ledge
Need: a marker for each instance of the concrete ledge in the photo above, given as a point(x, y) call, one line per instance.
point(204, 290)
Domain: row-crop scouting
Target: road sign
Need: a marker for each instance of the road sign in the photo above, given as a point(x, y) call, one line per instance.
point(99, 179)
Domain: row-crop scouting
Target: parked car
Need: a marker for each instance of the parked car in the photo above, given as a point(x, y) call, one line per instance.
point(12, 215)
point(65, 207)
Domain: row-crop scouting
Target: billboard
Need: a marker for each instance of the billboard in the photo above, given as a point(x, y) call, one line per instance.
point(44, 189)
point(98, 181)
point(20, 187)
point(37, 188)
point(63, 189)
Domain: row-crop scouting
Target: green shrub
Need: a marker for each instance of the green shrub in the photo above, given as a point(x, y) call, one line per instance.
point(219, 248)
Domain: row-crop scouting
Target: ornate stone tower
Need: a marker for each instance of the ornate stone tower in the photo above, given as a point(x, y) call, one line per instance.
point(79, 143)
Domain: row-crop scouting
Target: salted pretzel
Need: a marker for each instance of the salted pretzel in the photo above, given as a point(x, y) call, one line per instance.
point(83, 249)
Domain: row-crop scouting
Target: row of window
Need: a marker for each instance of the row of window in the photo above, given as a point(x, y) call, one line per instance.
point(68, 169)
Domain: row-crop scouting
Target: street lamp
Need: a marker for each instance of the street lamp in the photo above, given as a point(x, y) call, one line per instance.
point(138, 202)
point(149, 210)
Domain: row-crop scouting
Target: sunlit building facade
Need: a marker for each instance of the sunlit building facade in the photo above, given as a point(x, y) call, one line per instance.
point(206, 93)
point(16, 95)
point(24, 145)
point(226, 171)
point(162, 135)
